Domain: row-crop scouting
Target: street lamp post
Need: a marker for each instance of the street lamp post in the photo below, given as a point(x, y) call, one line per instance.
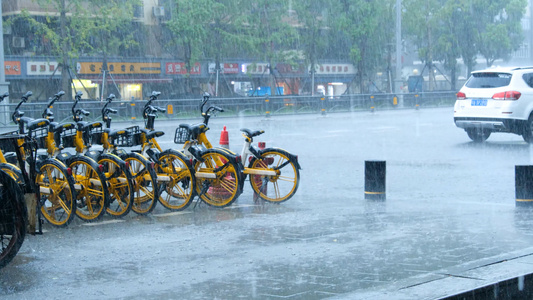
point(4, 86)
point(398, 79)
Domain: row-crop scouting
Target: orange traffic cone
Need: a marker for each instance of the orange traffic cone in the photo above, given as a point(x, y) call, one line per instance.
point(224, 139)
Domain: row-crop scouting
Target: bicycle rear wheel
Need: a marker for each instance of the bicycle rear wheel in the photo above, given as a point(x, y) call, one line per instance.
point(91, 188)
point(144, 183)
point(217, 178)
point(57, 202)
point(281, 186)
point(177, 193)
point(13, 218)
point(120, 184)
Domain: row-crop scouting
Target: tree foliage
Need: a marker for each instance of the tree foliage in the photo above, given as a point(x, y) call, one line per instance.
point(369, 27)
point(280, 31)
point(463, 29)
point(77, 27)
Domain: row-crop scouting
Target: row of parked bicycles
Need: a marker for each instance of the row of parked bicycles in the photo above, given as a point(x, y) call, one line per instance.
point(88, 169)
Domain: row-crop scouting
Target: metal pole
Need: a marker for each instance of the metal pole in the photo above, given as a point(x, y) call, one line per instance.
point(398, 78)
point(103, 86)
point(216, 83)
point(4, 86)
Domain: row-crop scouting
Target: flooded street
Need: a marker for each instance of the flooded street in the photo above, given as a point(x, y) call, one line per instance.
point(450, 208)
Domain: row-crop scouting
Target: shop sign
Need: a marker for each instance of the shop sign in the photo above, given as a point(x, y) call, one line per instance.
point(260, 68)
point(178, 68)
point(335, 69)
point(43, 68)
point(226, 68)
point(119, 68)
point(289, 69)
point(12, 67)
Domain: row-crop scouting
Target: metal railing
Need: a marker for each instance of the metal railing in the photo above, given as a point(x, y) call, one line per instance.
point(243, 106)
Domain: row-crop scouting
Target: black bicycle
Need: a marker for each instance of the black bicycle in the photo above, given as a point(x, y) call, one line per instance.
point(13, 218)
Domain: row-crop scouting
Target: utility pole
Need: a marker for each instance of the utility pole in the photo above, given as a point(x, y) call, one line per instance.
point(4, 86)
point(398, 76)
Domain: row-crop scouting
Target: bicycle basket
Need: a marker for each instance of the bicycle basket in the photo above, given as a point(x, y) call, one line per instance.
point(8, 141)
point(124, 140)
point(182, 135)
point(40, 135)
point(96, 135)
point(68, 136)
point(135, 134)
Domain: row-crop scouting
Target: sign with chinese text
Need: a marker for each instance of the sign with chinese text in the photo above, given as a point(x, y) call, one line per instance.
point(178, 68)
point(335, 69)
point(12, 67)
point(259, 68)
point(119, 68)
point(43, 68)
point(226, 68)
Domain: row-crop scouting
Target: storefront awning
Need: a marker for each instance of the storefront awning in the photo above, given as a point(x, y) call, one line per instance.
point(132, 80)
point(330, 79)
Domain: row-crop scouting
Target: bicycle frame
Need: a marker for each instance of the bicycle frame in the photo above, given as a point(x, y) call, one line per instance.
point(50, 141)
point(247, 149)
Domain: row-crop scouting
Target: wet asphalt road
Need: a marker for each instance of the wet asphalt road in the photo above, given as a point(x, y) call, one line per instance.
point(449, 214)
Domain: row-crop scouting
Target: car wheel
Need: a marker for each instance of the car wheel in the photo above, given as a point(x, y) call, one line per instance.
point(478, 135)
point(528, 130)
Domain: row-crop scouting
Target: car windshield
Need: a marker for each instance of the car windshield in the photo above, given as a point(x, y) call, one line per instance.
point(488, 80)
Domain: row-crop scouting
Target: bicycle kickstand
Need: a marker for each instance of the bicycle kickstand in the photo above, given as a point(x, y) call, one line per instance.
point(205, 187)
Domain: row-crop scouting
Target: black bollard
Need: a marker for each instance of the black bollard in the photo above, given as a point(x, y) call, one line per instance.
point(524, 185)
point(375, 173)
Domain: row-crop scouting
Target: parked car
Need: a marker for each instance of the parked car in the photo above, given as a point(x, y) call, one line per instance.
point(496, 100)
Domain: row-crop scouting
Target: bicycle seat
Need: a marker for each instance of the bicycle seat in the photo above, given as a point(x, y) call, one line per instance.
point(118, 132)
point(84, 126)
point(34, 124)
point(195, 129)
point(63, 126)
point(251, 134)
point(151, 134)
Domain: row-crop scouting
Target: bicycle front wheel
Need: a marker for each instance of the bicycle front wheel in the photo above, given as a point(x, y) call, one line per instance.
point(282, 182)
point(91, 189)
point(120, 184)
point(13, 218)
point(144, 183)
point(176, 192)
point(57, 202)
point(217, 178)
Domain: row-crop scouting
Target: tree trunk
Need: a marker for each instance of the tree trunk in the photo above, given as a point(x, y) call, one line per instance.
point(65, 78)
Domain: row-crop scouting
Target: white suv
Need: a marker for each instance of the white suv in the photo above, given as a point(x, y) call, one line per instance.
point(496, 100)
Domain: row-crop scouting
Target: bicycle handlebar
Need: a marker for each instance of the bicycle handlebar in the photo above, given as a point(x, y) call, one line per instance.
point(149, 109)
point(17, 113)
point(47, 112)
point(6, 94)
point(210, 109)
point(77, 112)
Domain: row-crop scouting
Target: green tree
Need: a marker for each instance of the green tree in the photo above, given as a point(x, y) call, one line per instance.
point(270, 32)
point(314, 22)
point(369, 27)
point(447, 48)
point(502, 33)
point(71, 27)
point(109, 22)
point(421, 22)
point(189, 27)
point(445, 30)
point(227, 34)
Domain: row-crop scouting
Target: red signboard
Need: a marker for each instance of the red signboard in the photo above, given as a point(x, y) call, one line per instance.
point(12, 67)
